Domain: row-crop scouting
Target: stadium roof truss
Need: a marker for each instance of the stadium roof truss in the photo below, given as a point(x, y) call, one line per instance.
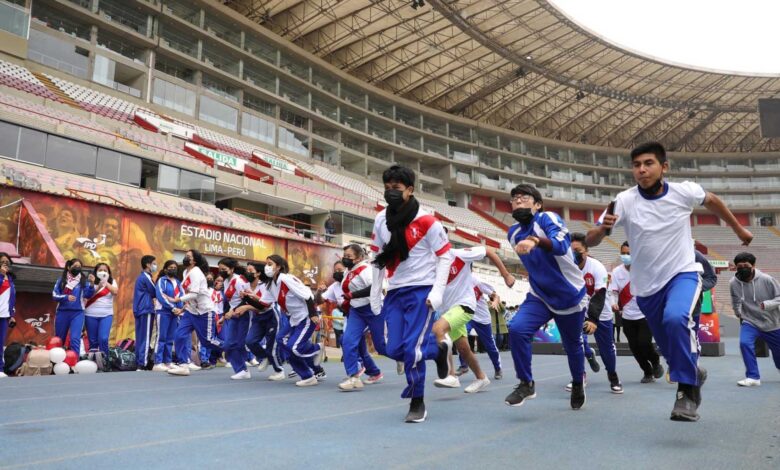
point(526, 66)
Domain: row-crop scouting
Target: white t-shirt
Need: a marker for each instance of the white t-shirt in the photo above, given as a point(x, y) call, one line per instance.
point(102, 306)
point(460, 286)
point(482, 291)
point(197, 299)
point(358, 278)
point(620, 291)
point(291, 295)
point(334, 293)
point(233, 289)
point(426, 239)
point(596, 278)
point(659, 232)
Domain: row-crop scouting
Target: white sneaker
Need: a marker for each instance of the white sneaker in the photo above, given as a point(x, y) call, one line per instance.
point(254, 362)
point(584, 383)
point(277, 376)
point(477, 385)
point(448, 382)
point(748, 382)
point(171, 365)
point(180, 370)
point(311, 381)
point(160, 368)
point(399, 367)
point(2, 375)
point(193, 366)
point(263, 365)
point(351, 384)
point(243, 375)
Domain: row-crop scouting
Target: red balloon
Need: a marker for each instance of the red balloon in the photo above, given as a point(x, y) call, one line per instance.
point(71, 358)
point(54, 342)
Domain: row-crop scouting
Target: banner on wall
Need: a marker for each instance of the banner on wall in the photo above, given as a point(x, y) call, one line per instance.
point(55, 229)
point(219, 158)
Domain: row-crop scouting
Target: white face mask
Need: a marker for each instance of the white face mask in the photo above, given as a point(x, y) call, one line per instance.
point(269, 270)
point(102, 275)
point(154, 267)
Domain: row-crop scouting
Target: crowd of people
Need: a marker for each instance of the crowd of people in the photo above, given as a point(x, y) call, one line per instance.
point(418, 299)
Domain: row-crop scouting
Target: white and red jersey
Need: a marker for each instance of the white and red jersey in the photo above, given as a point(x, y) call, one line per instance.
point(334, 293)
point(482, 291)
point(620, 291)
point(197, 297)
point(596, 278)
point(291, 295)
point(218, 298)
point(101, 304)
point(357, 278)
point(426, 239)
point(460, 286)
point(233, 289)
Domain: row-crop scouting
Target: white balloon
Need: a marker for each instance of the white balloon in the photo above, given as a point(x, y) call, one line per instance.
point(61, 369)
point(57, 355)
point(85, 367)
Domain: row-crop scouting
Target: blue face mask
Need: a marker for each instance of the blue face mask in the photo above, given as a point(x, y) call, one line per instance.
point(626, 259)
point(577, 257)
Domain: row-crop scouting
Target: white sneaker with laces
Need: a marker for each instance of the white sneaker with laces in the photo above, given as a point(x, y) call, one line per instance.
point(193, 366)
point(311, 381)
point(2, 375)
point(351, 384)
point(263, 365)
point(180, 370)
point(477, 385)
point(160, 368)
point(448, 382)
point(254, 362)
point(243, 375)
point(748, 382)
point(277, 376)
point(399, 367)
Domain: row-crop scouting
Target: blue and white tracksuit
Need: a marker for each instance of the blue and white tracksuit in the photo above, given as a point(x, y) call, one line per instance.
point(167, 290)
point(7, 310)
point(264, 326)
point(235, 328)
point(144, 296)
point(199, 313)
point(69, 317)
point(557, 292)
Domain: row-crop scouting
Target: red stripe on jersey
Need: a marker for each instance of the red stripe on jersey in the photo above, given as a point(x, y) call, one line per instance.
point(5, 285)
point(350, 276)
point(103, 292)
point(282, 297)
point(455, 268)
point(186, 284)
point(625, 295)
point(374, 248)
point(443, 249)
point(477, 292)
point(417, 230)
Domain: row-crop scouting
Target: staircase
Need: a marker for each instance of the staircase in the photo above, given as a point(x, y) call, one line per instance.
point(56, 90)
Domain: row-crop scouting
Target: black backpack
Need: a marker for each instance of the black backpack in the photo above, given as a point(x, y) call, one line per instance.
point(121, 359)
point(14, 357)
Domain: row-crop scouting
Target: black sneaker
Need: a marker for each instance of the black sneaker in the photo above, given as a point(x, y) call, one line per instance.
point(319, 373)
point(701, 377)
point(614, 383)
point(658, 371)
point(593, 362)
point(523, 391)
point(647, 379)
point(417, 413)
point(462, 371)
point(577, 396)
point(498, 375)
point(685, 406)
point(206, 366)
point(442, 359)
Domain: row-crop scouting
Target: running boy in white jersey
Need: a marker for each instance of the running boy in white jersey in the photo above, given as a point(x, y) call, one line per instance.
point(664, 276)
point(481, 324)
point(459, 304)
point(413, 251)
point(599, 317)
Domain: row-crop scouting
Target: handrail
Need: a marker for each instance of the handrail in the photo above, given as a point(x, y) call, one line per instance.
point(269, 217)
point(77, 193)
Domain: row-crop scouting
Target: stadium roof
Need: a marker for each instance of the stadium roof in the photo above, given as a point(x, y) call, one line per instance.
point(526, 66)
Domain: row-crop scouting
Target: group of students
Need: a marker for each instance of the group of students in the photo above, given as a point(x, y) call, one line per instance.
point(416, 295)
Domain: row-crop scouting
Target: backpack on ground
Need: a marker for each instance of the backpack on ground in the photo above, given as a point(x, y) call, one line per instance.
point(121, 359)
point(37, 363)
point(100, 359)
point(14, 357)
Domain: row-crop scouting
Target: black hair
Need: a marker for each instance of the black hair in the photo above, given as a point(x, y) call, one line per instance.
point(579, 237)
point(110, 276)
point(399, 174)
point(146, 260)
point(339, 262)
point(5, 255)
point(260, 268)
point(745, 257)
point(64, 277)
point(168, 263)
point(200, 260)
point(284, 267)
point(650, 147)
point(232, 263)
point(529, 190)
point(625, 243)
point(357, 249)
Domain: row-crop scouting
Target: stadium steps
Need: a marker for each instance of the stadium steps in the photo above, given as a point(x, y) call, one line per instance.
point(61, 95)
point(774, 231)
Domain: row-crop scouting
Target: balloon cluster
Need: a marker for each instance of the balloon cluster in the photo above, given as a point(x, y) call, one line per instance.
point(64, 361)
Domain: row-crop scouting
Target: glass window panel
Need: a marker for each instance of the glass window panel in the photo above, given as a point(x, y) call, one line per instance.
point(293, 141)
point(218, 113)
point(108, 164)
point(130, 170)
point(294, 65)
point(435, 125)
point(260, 48)
point(168, 179)
point(407, 116)
point(353, 95)
point(407, 138)
point(325, 81)
point(71, 156)
point(257, 128)
point(261, 77)
point(295, 93)
point(208, 191)
point(9, 139)
point(190, 184)
point(381, 107)
point(174, 97)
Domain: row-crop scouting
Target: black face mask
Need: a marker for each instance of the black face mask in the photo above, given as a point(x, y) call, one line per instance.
point(652, 190)
point(394, 198)
point(170, 273)
point(578, 257)
point(338, 276)
point(186, 261)
point(743, 274)
point(348, 263)
point(210, 283)
point(250, 277)
point(75, 271)
point(224, 274)
point(523, 215)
